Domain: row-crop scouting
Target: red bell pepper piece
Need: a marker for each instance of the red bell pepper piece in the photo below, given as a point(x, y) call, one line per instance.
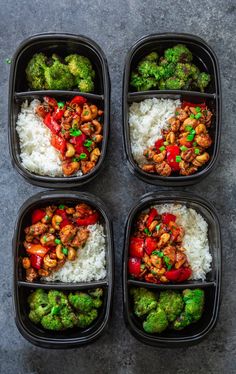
point(134, 266)
point(178, 275)
point(50, 101)
point(58, 114)
point(62, 213)
point(65, 220)
point(167, 218)
point(136, 247)
point(187, 103)
point(150, 245)
point(37, 215)
point(64, 223)
point(90, 220)
point(172, 152)
point(37, 249)
point(159, 143)
point(80, 100)
point(53, 126)
point(58, 143)
point(36, 261)
point(152, 214)
point(78, 142)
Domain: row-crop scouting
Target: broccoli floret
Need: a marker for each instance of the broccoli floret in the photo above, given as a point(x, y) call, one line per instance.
point(39, 303)
point(52, 322)
point(80, 66)
point(144, 301)
point(172, 303)
point(85, 319)
point(81, 301)
point(156, 321)
point(85, 85)
point(194, 71)
point(179, 53)
point(183, 71)
point(153, 56)
point(34, 317)
point(174, 83)
point(57, 298)
point(97, 292)
point(203, 80)
point(35, 71)
point(147, 68)
point(194, 303)
point(68, 317)
point(58, 76)
point(162, 84)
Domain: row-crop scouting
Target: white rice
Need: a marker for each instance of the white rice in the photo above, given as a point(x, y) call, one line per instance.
point(195, 239)
point(90, 263)
point(37, 154)
point(146, 121)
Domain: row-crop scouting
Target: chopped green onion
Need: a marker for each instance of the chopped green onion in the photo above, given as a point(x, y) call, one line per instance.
point(82, 156)
point(57, 241)
point(75, 159)
point(194, 144)
point(166, 143)
point(61, 206)
point(75, 132)
point(183, 148)
point(167, 260)
point(192, 115)
point(190, 137)
point(147, 232)
point(153, 272)
point(178, 158)
point(198, 109)
point(88, 143)
point(45, 239)
point(198, 115)
point(169, 267)
point(60, 104)
point(176, 113)
point(158, 253)
point(188, 128)
point(65, 251)
point(8, 61)
point(162, 148)
point(196, 151)
point(158, 227)
point(192, 132)
point(55, 309)
point(47, 217)
point(142, 267)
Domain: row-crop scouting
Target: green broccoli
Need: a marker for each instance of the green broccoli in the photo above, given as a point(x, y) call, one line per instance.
point(58, 76)
point(34, 317)
point(85, 319)
point(194, 303)
point(156, 321)
point(202, 81)
point(147, 68)
point(52, 322)
point(81, 301)
point(39, 303)
point(162, 84)
point(183, 71)
point(35, 71)
point(68, 317)
point(153, 56)
point(144, 301)
point(96, 292)
point(57, 298)
point(172, 303)
point(142, 83)
point(178, 53)
point(80, 66)
point(85, 85)
point(174, 83)
point(194, 71)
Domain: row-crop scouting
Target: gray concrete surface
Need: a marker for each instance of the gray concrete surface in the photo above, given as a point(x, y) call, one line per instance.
point(115, 25)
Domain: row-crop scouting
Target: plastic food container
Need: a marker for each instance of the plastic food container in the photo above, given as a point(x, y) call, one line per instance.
point(61, 44)
point(212, 285)
point(71, 337)
point(205, 58)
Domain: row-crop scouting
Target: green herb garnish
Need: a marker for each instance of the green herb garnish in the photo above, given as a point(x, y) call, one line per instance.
point(192, 115)
point(166, 143)
point(158, 227)
point(147, 232)
point(162, 148)
point(196, 151)
point(75, 132)
point(190, 137)
point(57, 241)
point(60, 104)
point(82, 156)
point(198, 109)
point(183, 148)
point(178, 158)
point(65, 251)
point(158, 253)
point(198, 115)
point(88, 143)
point(188, 128)
point(61, 206)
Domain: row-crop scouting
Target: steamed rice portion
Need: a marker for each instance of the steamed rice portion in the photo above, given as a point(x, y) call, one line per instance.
point(146, 121)
point(195, 239)
point(37, 154)
point(90, 263)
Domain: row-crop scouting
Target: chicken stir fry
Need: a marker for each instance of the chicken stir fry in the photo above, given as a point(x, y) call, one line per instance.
point(54, 237)
point(76, 132)
point(156, 251)
point(182, 148)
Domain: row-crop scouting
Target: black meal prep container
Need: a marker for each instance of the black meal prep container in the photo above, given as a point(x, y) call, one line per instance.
point(62, 44)
point(212, 285)
point(205, 58)
point(72, 337)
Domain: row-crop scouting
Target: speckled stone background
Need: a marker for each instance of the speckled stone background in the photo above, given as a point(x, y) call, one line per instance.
point(116, 25)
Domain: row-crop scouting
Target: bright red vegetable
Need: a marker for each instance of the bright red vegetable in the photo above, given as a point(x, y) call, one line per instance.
point(62, 213)
point(136, 247)
point(36, 261)
point(172, 152)
point(58, 114)
point(187, 103)
point(53, 126)
point(64, 223)
point(178, 275)
point(134, 266)
point(50, 101)
point(78, 142)
point(58, 143)
point(159, 143)
point(150, 245)
point(37, 215)
point(37, 249)
point(152, 214)
point(90, 220)
point(80, 100)
point(168, 217)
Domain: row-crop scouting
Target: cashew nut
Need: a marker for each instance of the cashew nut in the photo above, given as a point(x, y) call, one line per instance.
point(70, 150)
point(171, 137)
point(26, 262)
point(163, 239)
point(43, 273)
point(201, 128)
point(71, 254)
point(56, 220)
point(97, 138)
point(59, 253)
point(51, 263)
point(94, 155)
point(152, 226)
point(97, 125)
point(94, 111)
